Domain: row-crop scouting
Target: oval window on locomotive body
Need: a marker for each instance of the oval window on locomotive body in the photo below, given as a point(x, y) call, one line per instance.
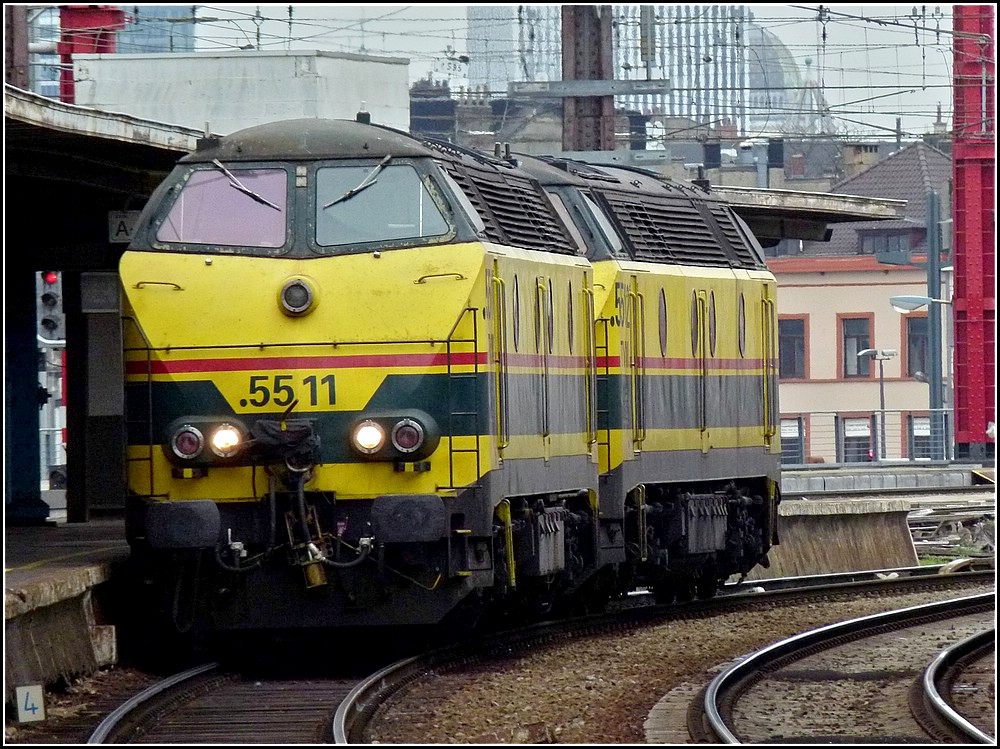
point(551, 321)
point(569, 316)
point(375, 203)
point(516, 304)
point(711, 324)
point(741, 326)
point(229, 207)
point(695, 332)
point(663, 322)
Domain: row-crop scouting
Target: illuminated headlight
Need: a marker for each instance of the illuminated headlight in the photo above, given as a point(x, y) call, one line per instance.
point(407, 436)
point(226, 441)
point(368, 437)
point(187, 442)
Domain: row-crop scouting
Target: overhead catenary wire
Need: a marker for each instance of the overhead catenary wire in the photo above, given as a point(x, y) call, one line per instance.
point(266, 29)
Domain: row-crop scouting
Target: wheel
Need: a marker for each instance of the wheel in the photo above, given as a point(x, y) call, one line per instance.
point(664, 592)
point(684, 590)
point(706, 586)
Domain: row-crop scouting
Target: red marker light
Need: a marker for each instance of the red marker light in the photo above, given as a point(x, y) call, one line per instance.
point(50, 277)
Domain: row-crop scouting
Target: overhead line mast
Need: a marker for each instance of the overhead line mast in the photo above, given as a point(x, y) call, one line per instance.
point(974, 230)
point(588, 121)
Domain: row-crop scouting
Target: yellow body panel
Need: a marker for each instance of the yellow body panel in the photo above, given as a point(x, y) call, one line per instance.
point(188, 299)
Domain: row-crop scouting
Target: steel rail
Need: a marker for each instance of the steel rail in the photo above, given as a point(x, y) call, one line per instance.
point(369, 693)
point(934, 675)
point(113, 719)
point(744, 669)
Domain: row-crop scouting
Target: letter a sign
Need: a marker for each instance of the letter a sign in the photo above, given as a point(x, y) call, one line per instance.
point(121, 224)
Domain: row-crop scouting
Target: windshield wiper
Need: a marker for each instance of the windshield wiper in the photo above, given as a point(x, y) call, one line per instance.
point(365, 183)
point(243, 188)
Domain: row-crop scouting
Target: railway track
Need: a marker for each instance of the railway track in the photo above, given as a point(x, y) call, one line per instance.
point(209, 705)
point(362, 708)
point(958, 687)
point(771, 695)
point(213, 706)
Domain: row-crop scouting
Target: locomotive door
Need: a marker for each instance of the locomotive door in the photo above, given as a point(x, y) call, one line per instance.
point(636, 316)
point(499, 330)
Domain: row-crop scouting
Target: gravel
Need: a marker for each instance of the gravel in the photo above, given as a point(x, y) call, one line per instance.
point(599, 690)
point(602, 689)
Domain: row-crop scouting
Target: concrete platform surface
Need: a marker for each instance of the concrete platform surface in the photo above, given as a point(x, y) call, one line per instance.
point(52, 628)
point(46, 564)
point(875, 476)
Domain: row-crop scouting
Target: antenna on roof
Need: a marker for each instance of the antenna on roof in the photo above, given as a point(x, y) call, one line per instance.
point(207, 141)
point(701, 182)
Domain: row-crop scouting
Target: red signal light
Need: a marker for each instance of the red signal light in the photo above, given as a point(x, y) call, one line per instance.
point(50, 277)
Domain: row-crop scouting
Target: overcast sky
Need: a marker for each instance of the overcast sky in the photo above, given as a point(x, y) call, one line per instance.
point(876, 62)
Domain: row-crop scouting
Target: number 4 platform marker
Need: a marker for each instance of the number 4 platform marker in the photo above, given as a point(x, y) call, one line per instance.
point(30, 703)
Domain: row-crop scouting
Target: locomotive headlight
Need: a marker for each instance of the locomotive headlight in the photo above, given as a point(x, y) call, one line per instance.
point(187, 442)
point(226, 441)
point(368, 437)
point(296, 297)
point(407, 436)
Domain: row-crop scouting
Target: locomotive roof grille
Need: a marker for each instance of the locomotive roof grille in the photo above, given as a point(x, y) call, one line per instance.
point(724, 220)
point(493, 231)
point(513, 209)
point(663, 228)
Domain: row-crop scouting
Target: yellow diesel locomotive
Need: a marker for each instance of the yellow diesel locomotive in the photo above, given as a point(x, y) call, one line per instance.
point(378, 380)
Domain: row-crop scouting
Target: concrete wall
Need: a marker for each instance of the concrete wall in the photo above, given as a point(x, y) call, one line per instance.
point(234, 90)
point(819, 537)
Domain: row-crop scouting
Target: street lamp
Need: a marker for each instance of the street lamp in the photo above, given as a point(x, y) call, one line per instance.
point(880, 355)
point(934, 376)
point(904, 304)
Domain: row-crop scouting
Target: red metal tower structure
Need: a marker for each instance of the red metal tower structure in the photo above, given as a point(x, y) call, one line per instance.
point(84, 29)
point(974, 254)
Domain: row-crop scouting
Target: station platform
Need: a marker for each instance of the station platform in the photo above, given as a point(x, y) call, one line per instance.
point(889, 476)
point(60, 597)
point(55, 625)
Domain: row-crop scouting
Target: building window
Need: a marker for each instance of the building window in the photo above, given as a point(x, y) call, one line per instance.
point(885, 242)
point(856, 337)
point(920, 438)
point(916, 346)
point(792, 349)
point(856, 440)
point(793, 444)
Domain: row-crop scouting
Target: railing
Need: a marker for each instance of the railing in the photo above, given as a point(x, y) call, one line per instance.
point(866, 437)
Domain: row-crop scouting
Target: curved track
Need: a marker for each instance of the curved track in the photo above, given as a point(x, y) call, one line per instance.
point(770, 694)
point(207, 705)
point(363, 704)
point(956, 689)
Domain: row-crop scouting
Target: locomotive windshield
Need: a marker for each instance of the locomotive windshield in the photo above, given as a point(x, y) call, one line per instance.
point(239, 207)
point(381, 203)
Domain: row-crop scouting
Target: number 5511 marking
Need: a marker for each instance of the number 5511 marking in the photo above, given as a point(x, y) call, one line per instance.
point(280, 390)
